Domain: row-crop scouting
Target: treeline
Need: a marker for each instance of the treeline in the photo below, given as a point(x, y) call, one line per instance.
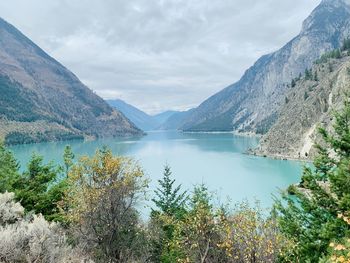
point(88, 210)
point(337, 53)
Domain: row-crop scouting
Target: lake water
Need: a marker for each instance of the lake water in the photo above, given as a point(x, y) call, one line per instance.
point(218, 160)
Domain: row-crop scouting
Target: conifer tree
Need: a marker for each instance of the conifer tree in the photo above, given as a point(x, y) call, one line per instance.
point(170, 204)
point(310, 218)
point(68, 157)
point(170, 200)
point(308, 74)
point(8, 169)
point(293, 83)
point(39, 188)
point(346, 44)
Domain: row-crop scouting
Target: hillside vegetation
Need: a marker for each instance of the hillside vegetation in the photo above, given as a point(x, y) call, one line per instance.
point(88, 210)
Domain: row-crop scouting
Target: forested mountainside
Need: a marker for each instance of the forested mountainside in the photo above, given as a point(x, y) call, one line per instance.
point(251, 104)
point(308, 105)
point(42, 100)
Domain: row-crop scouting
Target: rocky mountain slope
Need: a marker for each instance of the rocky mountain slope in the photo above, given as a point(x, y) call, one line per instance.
point(42, 100)
point(308, 105)
point(251, 104)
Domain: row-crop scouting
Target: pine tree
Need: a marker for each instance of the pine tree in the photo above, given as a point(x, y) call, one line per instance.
point(68, 157)
point(170, 204)
point(337, 54)
point(39, 188)
point(293, 83)
point(346, 44)
point(308, 74)
point(170, 200)
point(8, 169)
point(310, 217)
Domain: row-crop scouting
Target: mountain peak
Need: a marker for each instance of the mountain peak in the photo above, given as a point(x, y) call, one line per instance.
point(328, 16)
point(335, 2)
point(251, 104)
point(33, 86)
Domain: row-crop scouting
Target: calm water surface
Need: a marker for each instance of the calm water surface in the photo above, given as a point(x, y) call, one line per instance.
point(217, 160)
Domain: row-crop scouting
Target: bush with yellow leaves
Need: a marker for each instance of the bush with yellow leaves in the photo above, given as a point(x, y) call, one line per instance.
point(100, 206)
point(340, 251)
point(209, 234)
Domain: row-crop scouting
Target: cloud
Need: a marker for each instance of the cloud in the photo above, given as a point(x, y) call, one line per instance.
point(158, 54)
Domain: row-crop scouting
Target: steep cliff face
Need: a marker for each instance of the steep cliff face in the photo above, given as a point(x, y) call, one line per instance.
point(251, 104)
point(42, 100)
point(308, 106)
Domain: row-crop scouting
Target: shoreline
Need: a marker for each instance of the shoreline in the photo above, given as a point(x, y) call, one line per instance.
point(277, 157)
point(250, 135)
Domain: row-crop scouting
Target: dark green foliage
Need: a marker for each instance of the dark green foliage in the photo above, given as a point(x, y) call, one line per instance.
point(310, 217)
point(337, 54)
point(286, 100)
point(68, 157)
point(8, 169)
point(315, 76)
point(38, 189)
point(16, 137)
point(293, 83)
point(308, 74)
point(346, 45)
point(334, 54)
point(306, 95)
point(17, 103)
point(170, 200)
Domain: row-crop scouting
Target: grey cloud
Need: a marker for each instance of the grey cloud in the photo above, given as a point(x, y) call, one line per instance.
point(158, 54)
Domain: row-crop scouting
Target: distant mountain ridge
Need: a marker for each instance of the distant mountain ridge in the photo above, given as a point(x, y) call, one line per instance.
point(138, 117)
point(41, 100)
point(141, 119)
point(251, 104)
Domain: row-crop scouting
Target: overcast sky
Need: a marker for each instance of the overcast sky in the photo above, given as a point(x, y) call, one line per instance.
point(158, 54)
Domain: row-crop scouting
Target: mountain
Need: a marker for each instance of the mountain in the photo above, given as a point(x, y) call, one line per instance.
point(138, 117)
point(176, 120)
point(251, 104)
point(41, 100)
point(145, 121)
point(164, 116)
point(308, 105)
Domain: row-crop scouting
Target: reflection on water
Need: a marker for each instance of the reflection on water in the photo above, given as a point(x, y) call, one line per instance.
point(215, 159)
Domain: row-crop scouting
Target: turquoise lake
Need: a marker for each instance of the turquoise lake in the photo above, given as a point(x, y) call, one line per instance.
point(218, 160)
